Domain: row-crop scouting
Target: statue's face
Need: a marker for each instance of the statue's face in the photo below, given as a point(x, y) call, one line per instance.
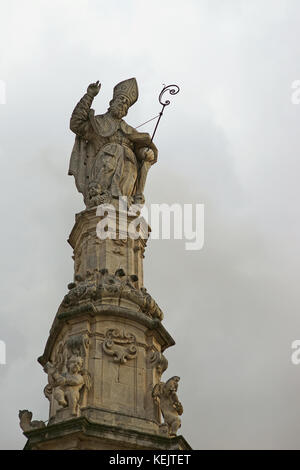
point(74, 366)
point(119, 106)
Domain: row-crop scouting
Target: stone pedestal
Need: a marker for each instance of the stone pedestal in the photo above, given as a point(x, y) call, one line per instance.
point(104, 355)
point(118, 251)
point(81, 434)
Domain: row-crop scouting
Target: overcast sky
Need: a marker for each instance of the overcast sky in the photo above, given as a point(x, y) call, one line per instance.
point(230, 140)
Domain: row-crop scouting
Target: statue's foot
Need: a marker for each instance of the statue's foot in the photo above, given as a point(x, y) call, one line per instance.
point(62, 403)
point(139, 199)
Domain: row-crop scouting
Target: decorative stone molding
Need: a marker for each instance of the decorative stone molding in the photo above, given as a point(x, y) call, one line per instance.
point(90, 310)
point(120, 345)
point(159, 361)
point(80, 290)
point(83, 434)
point(165, 396)
point(100, 284)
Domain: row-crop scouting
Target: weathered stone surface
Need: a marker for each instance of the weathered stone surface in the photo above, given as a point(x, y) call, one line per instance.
point(121, 362)
point(103, 288)
point(118, 251)
point(68, 376)
point(26, 423)
point(104, 355)
point(109, 157)
point(80, 433)
point(165, 396)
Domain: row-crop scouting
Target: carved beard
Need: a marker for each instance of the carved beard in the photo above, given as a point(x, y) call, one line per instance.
point(118, 111)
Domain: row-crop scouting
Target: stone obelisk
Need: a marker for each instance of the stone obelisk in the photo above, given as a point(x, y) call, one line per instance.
point(104, 355)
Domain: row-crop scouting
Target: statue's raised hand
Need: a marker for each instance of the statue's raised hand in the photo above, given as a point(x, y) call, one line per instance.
point(93, 89)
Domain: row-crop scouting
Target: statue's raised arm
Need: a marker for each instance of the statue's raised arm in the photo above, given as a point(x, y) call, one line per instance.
point(110, 158)
point(79, 122)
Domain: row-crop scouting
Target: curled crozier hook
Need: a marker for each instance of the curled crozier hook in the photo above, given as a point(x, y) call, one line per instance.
point(172, 89)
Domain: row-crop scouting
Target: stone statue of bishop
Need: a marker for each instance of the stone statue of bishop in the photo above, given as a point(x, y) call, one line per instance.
point(110, 158)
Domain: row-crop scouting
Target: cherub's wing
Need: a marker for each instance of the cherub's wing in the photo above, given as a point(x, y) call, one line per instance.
point(87, 379)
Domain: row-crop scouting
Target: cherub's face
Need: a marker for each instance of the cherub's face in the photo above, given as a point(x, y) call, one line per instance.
point(172, 384)
point(93, 191)
point(74, 367)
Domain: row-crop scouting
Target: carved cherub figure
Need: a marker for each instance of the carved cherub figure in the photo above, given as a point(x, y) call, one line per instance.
point(69, 385)
point(67, 380)
point(164, 395)
point(66, 387)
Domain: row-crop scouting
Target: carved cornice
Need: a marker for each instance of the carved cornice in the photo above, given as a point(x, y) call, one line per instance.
point(99, 285)
point(91, 310)
point(82, 427)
